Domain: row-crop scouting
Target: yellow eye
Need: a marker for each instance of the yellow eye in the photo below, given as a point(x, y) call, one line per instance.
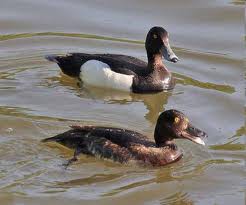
point(154, 36)
point(176, 120)
point(186, 119)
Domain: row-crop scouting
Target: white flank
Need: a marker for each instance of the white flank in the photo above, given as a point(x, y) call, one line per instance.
point(99, 74)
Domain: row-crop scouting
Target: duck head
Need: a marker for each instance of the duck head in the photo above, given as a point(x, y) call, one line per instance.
point(173, 124)
point(157, 43)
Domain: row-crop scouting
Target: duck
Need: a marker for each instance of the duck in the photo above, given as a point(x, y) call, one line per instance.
point(125, 146)
point(124, 72)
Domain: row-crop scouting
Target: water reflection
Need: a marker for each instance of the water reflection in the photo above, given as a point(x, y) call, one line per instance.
point(129, 187)
point(178, 198)
point(154, 103)
point(230, 146)
point(185, 80)
point(118, 182)
point(94, 179)
point(74, 35)
point(235, 142)
point(27, 113)
point(240, 132)
point(238, 2)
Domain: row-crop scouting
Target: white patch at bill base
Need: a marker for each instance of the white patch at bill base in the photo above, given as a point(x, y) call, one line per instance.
point(99, 74)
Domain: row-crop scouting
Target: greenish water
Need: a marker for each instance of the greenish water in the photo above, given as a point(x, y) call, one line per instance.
point(37, 101)
point(75, 35)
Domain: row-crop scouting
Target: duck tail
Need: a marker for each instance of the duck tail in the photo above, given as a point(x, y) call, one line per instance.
point(51, 139)
point(71, 138)
point(76, 130)
point(70, 64)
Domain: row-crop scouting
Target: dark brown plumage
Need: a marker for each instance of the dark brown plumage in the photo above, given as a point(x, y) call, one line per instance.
point(124, 145)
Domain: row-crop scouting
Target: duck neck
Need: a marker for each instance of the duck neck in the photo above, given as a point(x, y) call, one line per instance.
point(160, 140)
point(155, 61)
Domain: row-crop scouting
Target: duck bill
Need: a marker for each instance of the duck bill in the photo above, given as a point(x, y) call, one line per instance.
point(168, 53)
point(195, 135)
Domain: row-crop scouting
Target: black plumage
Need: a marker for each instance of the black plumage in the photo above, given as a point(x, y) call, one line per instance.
point(148, 77)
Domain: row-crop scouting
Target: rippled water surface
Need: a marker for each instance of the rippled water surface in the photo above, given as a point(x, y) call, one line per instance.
point(37, 101)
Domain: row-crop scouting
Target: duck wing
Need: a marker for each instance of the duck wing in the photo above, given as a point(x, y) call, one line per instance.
point(105, 142)
point(71, 63)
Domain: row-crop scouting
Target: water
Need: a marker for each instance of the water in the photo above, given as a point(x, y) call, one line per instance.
point(37, 101)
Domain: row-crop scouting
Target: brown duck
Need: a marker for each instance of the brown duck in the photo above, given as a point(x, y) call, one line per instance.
point(124, 145)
